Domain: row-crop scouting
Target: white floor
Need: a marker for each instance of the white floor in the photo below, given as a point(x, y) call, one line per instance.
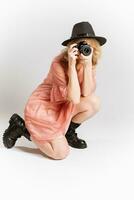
point(104, 170)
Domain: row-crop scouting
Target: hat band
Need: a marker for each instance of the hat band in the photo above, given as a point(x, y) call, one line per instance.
point(83, 34)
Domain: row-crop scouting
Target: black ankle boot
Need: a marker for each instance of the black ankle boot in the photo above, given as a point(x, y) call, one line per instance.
point(15, 130)
point(72, 138)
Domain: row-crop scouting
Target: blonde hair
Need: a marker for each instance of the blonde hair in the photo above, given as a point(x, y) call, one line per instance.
point(90, 41)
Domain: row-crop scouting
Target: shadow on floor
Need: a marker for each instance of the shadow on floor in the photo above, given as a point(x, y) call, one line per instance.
point(31, 150)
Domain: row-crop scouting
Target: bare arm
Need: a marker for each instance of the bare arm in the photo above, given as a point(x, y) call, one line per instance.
point(73, 85)
point(94, 79)
point(89, 83)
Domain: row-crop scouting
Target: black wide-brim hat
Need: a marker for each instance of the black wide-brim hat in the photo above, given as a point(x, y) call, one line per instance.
point(84, 30)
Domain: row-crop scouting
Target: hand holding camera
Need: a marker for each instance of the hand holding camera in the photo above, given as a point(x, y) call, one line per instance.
point(73, 54)
point(86, 52)
point(83, 50)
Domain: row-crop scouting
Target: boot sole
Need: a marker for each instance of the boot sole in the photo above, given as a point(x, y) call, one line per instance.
point(7, 141)
point(82, 147)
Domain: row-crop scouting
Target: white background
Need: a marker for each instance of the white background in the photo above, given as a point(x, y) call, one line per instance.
point(31, 33)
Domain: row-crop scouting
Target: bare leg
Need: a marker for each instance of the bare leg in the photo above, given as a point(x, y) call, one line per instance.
point(87, 108)
point(82, 116)
point(56, 149)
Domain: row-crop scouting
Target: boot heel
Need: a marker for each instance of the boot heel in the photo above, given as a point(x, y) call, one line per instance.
point(8, 141)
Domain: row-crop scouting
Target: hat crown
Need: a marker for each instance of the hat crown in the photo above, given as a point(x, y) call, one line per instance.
point(82, 29)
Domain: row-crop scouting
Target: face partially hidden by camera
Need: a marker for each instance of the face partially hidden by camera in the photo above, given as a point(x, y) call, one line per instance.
point(88, 41)
point(97, 51)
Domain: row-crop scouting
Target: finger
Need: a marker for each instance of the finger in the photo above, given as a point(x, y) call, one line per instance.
point(91, 49)
point(75, 54)
point(75, 50)
point(73, 45)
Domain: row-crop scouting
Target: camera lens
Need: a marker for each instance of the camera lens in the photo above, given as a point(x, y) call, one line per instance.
point(84, 49)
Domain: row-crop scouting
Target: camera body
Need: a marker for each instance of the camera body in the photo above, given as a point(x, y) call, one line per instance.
point(84, 48)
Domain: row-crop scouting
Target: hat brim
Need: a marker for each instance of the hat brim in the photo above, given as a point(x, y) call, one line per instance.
point(101, 40)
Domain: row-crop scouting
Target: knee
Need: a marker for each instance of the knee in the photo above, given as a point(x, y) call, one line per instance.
point(96, 103)
point(62, 154)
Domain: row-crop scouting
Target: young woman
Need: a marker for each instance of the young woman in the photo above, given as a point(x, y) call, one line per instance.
point(65, 98)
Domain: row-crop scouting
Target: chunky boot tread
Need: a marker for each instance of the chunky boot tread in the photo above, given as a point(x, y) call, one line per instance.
point(7, 141)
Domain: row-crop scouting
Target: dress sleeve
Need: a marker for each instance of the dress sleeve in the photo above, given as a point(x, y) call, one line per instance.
point(58, 92)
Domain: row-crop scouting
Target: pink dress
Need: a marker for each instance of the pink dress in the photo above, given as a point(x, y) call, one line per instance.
point(48, 113)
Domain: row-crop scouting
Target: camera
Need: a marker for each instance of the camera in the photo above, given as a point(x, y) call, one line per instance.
point(84, 48)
